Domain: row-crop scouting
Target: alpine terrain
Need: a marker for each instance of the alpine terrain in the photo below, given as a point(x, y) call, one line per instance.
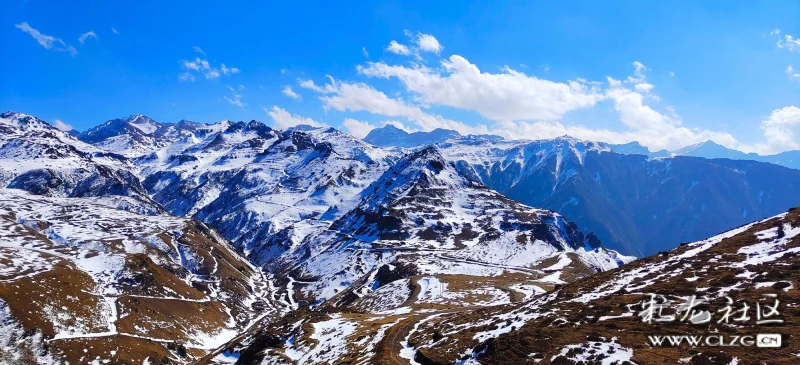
point(140, 242)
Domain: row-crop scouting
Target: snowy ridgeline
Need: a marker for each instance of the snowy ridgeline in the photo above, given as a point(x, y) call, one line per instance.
point(755, 258)
point(283, 195)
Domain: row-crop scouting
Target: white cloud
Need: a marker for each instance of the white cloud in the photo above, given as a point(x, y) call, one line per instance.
point(793, 74)
point(648, 126)
point(284, 119)
point(46, 41)
point(283, 71)
point(199, 50)
point(789, 42)
point(357, 128)
point(781, 132)
point(236, 100)
point(58, 123)
point(114, 30)
point(287, 90)
point(202, 66)
point(185, 76)
point(507, 96)
point(232, 70)
point(89, 34)
point(364, 51)
point(343, 96)
point(428, 43)
point(398, 48)
point(523, 106)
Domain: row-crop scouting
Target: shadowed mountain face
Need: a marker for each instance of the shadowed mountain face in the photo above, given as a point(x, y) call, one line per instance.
point(223, 172)
point(390, 135)
point(633, 203)
point(645, 206)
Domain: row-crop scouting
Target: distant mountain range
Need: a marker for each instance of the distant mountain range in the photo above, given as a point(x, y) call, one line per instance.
point(637, 204)
point(141, 242)
point(391, 136)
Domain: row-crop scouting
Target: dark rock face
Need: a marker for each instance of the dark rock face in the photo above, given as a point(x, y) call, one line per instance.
point(641, 206)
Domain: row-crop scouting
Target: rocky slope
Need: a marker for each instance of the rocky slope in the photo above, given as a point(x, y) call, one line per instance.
point(43, 160)
point(424, 239)
point(603, 319)
point(334, 220)
point(81, 280)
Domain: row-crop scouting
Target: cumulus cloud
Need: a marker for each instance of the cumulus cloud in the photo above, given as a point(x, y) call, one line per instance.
point(654, 129)
point(287, 90)
point(46, 41)
point(283, 119)
point(522, 106)
point(788, 42)
point(202, 66)
point(781, 132)
point(354, 97)
point(84, 36)
point(198, 50)
point(364, 51)
point(357, 128)
point(58, 123)
point(428, 43)
point(398, 48)
point(505, 96)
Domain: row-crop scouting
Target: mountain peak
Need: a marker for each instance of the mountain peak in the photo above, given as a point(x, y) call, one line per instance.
point(23, 121)
point(390, 135)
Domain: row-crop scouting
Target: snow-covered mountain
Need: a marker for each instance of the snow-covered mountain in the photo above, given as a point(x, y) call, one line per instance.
point(423, 213)
point(604, 319)
point(332, 218)
point(83, 281)
point(360, 245)
point(44, 160)
point(635, 204)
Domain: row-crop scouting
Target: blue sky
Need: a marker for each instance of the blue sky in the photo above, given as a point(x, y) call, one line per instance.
point(667, 74)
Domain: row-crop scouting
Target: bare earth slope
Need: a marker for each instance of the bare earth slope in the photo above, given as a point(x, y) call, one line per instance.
point(598, 319)
point(96, 283)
